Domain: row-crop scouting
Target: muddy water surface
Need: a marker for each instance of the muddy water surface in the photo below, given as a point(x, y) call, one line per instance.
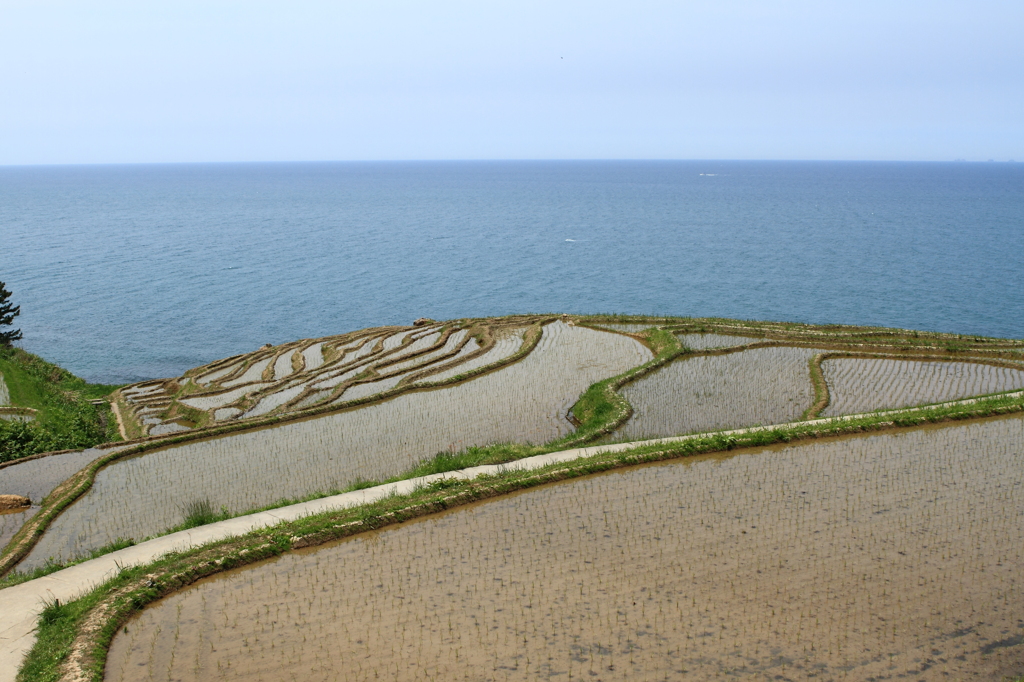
point(703, 393)
point(883, 557)
point(862, 384)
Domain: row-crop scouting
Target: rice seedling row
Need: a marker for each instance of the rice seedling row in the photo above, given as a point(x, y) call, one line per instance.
point(35, 479)
point(711, 392)
point(887, 556)
point(303, 374)
point(708, 341)
point(864, 384)
point(157, 398)
point(627, 328)
point(12, 521)
point(523, 402)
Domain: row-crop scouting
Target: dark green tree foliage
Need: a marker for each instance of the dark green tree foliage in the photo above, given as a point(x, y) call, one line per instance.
point(8, 311)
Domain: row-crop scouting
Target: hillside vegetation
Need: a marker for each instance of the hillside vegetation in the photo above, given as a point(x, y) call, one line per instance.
point(64, 417)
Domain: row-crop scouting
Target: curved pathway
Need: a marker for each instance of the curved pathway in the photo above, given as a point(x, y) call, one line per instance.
point(21, 604)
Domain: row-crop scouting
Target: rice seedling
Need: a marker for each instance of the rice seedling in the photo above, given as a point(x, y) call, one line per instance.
point(525, 402)
point(283, 365)
point(35, 478)
point(11, 522)
point(628, 328)
point(210, 377)
point(707, 341)
point(313, 356)
point(507, 342)
point(302, 374)
point(709, 392)
point(865, 384)
point(216, 400)
point(252, 374)
point(884, 556)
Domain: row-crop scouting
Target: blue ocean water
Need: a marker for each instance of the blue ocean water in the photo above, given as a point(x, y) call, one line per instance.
point(130, 272)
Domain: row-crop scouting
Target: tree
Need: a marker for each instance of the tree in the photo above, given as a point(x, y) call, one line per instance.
point(8, 312)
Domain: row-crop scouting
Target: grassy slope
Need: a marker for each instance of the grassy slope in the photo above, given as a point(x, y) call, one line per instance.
point(65, 418)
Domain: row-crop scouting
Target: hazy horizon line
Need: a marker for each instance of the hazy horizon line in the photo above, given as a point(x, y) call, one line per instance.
point(498, 160)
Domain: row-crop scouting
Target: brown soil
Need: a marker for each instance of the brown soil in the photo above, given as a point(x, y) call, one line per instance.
point(13, 502)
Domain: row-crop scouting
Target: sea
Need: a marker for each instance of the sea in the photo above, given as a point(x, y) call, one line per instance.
point(128, 272)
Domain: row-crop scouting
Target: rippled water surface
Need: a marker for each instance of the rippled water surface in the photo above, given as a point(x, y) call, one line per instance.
point(130, 272)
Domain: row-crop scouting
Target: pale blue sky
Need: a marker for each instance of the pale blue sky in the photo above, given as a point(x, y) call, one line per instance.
point(101, 82)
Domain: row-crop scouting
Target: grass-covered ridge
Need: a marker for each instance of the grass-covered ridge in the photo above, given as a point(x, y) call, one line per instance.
point(64, 418)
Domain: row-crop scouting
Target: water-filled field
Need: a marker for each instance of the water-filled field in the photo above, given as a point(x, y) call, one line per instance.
point(706, 341)
point(524, 402)
point(11, 522)
point(707, 392)
point(861, 385)
point(627, 328)
point(35, 479)
point(330, 371)
point(889, 556)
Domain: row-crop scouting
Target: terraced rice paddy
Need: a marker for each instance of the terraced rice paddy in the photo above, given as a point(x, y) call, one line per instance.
point(303, 374)
point(34, 479)
point(706, 341)
point(861, 385)
point(12, 521)
point(628, 328)
point(709, 392)
point(524, 402)
point(893, 556)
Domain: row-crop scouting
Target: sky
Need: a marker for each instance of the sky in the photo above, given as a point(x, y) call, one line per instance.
point(212, 81)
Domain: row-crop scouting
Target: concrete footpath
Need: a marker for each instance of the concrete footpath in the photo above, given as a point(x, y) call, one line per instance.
point(21, 605)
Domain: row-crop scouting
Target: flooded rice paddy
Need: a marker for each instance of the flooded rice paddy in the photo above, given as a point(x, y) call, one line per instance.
point(861, 385)
point(707, 341)
point(302, 374)
point(34, 479)
point(506, 344)
point(704, 393)
point(12, 521)
point(628, 328)
point(524, 402)
point(893, 556)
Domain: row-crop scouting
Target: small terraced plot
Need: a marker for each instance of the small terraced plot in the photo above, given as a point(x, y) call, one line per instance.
point(706, 341)
point(861, 385)
point(34, 479)
point(525, 402)
point(302, 374)
point(892, 556)
point(709, 392)
point(11, 522)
